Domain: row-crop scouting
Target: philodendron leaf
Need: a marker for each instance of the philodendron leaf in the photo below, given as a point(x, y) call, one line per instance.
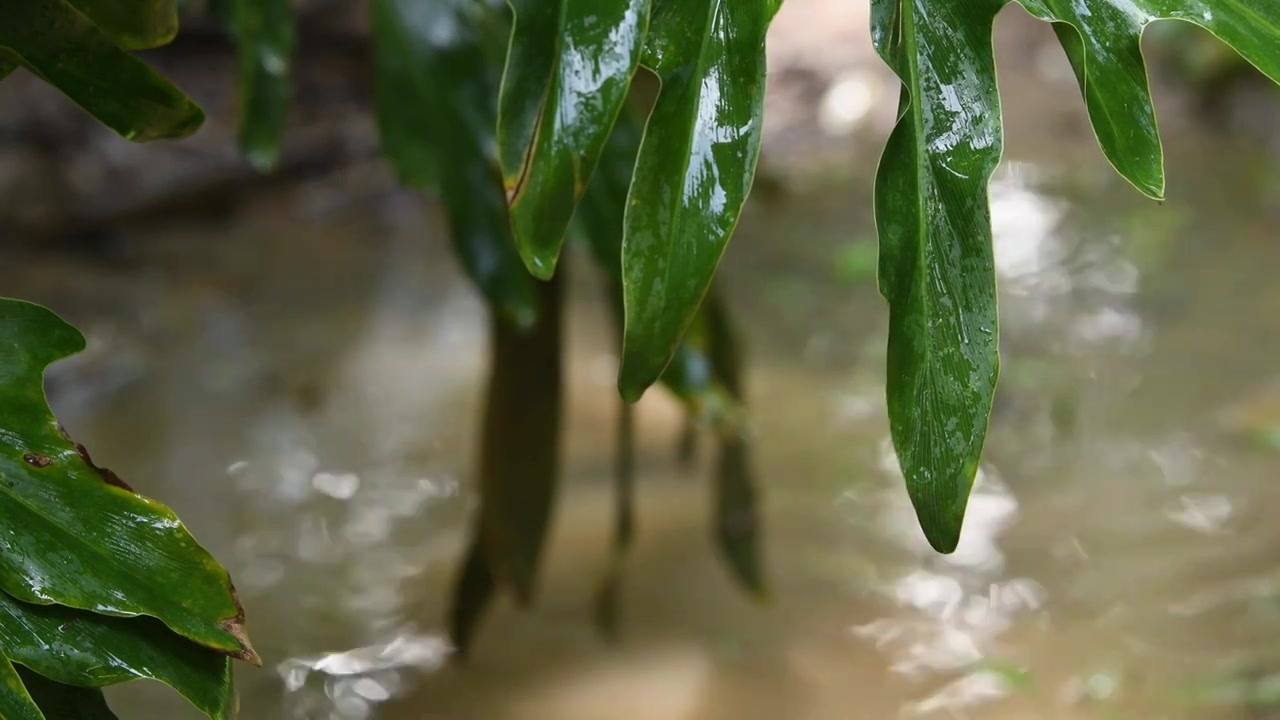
point(436, 111)
point(79, 648)
point(15, 701)
point(936, 266)
point(1102, 40)
point(135, 24)
point(263, 30)
point(931, 201)
point(73, 534)
point(568, 70)
point(66, 702)
point(54, 40)
point(694, 170)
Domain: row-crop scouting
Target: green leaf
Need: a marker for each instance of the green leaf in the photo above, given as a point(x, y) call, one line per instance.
point(263, 30)
point(694, 170)
point(936, 266)
point(15, 702)
point(609, 593)
point(73, 533)
point(519, 461)
point(56, 41)
point(1103, 42)
point(436, 90)
point(568, 70)
point(935, 236)
point(135, 24)
point(79, 648)
point(66, 702)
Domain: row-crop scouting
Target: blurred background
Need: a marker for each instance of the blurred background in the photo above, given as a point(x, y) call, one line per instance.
point(295, 363)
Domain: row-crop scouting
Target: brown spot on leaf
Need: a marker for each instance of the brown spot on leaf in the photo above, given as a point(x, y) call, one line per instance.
point(107, 476)
point(37, 460)
point(235, 626)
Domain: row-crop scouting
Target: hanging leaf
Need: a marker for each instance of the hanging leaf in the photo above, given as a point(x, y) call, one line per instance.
point(568, 70)
point(73, 647)
point(519, 461)
point(73, 533)
point(935, 234)
point(609, 593)
point(134, 24)
point(54, 40)
point(1102, 40)
point(263, 30)
point(436, 93)
point(15, 702)
point(694, 170)
point(66, 702)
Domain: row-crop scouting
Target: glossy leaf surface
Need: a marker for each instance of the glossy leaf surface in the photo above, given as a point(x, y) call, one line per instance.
point(931, 202)
point(84, 649)
point(66, 702)
point(135, 24)
point(56, 41)
point(263, 30)
point(73, 534)
point(694, 170)
point(437, 90)
point(1102, 41)
point(16, 702)
point(568, 70)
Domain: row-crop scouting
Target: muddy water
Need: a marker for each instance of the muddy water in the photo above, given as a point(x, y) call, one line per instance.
point(301, 384)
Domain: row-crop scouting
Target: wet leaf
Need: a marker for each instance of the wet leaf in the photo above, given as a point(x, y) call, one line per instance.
point(931, 202)
point(936, 266)
point(263, 30)
point(74, 534)
point(79, 648)
point(66, 702)
point(437, 91)
point(1103, 42)
point(57, 42)
point(694, 169)
point(519, 462)
point(15, 701)
point(568, 70)
point(134, 24)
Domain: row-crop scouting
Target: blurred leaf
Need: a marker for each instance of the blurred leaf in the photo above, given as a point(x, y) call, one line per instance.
point(519, 460)
point(8, 63)
point(55, 41)
point(15, 702)
point(134, 24)
point(931, 202)
point(436, 89)
point(737, 517)
point(263, 30)
point(693, 172)
point(608, 595)
point(79, 648)
point(472, 596)
point(74, 534)
point(567, 73)
point(66, 702)
point(857, 262)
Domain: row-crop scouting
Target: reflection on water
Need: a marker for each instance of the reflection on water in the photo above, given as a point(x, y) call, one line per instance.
point(303, 390)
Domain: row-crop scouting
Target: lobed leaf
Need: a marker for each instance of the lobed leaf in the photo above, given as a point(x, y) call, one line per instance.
point(86, 650)
point(57, 42)
point(263, 30)
point(936, 266)
point(693, 172)
point(568, 69)
point(436, 113)
point(74, 534)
